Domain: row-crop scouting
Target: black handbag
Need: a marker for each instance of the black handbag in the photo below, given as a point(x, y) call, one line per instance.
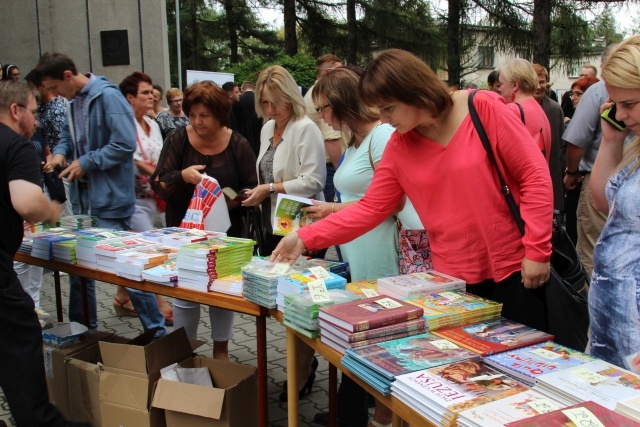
point(55, 186)
point(566, 291)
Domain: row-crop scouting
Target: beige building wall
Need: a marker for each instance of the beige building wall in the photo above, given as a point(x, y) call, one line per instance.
point(33, 27)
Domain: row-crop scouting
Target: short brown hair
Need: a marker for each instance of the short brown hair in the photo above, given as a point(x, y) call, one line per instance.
point(130, 84)
point(15, 93)
point(397, 75)
point(327, 57)
point(540, 70)
point(211, 96)
point(174, 91)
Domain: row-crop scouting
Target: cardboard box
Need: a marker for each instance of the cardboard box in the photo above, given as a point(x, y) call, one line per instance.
point(114, 415)
point(56, 369)
point(233, 402)
point(83, 378)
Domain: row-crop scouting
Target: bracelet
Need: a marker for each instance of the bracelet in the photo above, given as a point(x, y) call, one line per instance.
point(333, 205)
point(575, 172)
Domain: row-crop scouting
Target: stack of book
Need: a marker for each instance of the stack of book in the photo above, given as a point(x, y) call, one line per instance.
point(107, 251)
point(26, 245)
point(336, 267)
point(380, 364)
point(199, 264)
point(363, 288)
point(582, 414)
point(131, 264)
point(600, 381)
point(42, 245)
point(415, 284)
point(519, 406)
point(260, 282)
point(178, 237)
point(528, 363)
point(381, 318)
point(629, 408)
point(439, 394)
point(301, 312)
point(165, 273)
point(493, 336)
point(296, 283)
point(86, 245)
point(231, 285)
point(78, 222)
point(65, 251)
point(452, 308)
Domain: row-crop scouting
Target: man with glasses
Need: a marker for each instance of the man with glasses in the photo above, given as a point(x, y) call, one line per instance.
point(567, 104)
point(99, 139)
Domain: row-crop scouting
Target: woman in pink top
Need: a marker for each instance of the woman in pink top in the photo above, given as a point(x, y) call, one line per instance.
point(436, 158)
point(518, 84)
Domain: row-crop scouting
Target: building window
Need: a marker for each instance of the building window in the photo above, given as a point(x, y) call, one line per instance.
point(522, 53)
point(485, 56)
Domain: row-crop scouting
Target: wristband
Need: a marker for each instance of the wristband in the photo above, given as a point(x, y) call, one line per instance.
point(566, 171)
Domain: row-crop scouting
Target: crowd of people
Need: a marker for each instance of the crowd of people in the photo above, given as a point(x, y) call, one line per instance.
point(370, 146)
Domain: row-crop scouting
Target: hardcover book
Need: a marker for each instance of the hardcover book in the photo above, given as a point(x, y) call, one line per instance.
point(493, 336)
point(289, 216)
point(528, 363)
point(343, 345)
point(411, 325)
point(585, 412)
point(369, 313)
point(414, 284)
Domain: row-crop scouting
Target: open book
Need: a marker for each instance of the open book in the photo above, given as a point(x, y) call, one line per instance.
point(289, 216)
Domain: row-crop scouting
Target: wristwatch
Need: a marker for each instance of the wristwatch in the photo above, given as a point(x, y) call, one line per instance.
point(271, 189)
point(568, 172)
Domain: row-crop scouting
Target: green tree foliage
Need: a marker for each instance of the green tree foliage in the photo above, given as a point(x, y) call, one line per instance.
point(301, 66)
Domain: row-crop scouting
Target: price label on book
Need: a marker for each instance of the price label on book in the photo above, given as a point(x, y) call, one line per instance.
point(369, 292)
point(444, 345)
point(280, 268)
point(451, 296)
point(320, 272)
point(388, 303)
point(545, 353)
point(542, 406)
point(589, 376)
point(582, 417)
point(318, 291)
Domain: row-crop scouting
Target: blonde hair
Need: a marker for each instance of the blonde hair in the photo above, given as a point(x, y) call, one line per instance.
point(520, 71)
point(172, 92)
point(278, 85)
point(622, 70)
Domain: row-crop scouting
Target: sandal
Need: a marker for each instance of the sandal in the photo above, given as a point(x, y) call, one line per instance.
point(124, 308)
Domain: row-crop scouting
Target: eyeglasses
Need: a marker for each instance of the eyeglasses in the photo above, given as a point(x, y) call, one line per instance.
point(34, 112)
point(576, 93)
point(321, 109)
point(174, 101)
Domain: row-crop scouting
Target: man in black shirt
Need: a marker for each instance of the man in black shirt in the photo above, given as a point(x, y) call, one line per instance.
point(22, 375)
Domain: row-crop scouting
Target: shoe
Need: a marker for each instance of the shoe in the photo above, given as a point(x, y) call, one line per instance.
point(166, 311)
point(322, 418)
point(314, 367)
point(124, 308)
point(306, 388)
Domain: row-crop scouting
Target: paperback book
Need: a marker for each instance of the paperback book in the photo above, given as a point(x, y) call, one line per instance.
point(585, 413)
point(414, 284)
point(289, 216)
point(166, 274)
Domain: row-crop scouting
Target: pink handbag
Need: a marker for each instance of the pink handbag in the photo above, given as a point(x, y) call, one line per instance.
point(414, 252)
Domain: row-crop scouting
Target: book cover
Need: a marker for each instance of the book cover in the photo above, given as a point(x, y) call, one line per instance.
point(411, 325)
point(417, 283)
point(404, 355)
point(493, 336)
point(289, 216)
point(164, 273)
point(528, 363)
point(598, 380)
point(344, 345)
point(509, 409)
point(369, 313)
point(458, 386)
point(583, 411)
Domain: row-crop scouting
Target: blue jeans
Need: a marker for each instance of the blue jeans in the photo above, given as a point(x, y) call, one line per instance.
point(144, 302)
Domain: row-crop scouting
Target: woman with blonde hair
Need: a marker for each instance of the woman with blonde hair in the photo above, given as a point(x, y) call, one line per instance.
point(614, 295)
point(291, 158)
point(436, 158)
point(519, 82)
point(173, 117)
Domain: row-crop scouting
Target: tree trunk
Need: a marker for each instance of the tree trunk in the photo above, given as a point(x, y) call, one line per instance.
point(231, 26)
point(542, 32)
point(453, 42)
point(352, 32)
point(290, 37)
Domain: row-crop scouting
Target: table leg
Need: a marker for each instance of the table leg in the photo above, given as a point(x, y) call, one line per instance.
point(396, 421)
point(58, 291)
point(263, 407)
point(333, 396)
point(292, 391)
point(85, 302)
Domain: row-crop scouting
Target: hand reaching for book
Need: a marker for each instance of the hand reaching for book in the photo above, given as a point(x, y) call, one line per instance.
point(289, 249)
point(320, 210)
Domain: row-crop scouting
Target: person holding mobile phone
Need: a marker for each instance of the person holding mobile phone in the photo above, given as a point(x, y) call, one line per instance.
point(614, 296)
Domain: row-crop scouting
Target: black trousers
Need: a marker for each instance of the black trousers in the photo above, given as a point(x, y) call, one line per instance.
point(571, 200)
point(22, 374)
point(526, 306)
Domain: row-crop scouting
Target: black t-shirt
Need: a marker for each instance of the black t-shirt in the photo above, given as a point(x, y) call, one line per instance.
point(17, 161)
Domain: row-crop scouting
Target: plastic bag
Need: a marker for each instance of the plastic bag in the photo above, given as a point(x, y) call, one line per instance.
point(207, 209)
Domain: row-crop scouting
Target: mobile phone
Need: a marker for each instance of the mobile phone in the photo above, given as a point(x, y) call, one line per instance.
point(609, 115)
point(57, 170)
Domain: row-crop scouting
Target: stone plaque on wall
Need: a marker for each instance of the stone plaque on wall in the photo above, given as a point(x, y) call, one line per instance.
point(115, 47)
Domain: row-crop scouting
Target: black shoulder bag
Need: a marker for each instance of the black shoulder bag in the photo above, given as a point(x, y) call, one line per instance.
point(566, 291)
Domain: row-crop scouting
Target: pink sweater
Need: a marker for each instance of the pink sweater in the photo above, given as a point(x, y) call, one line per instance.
point(456, 193)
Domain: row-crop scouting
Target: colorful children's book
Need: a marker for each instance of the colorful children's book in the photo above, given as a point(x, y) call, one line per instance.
point(414, 284)
point(401, 356)
point(289, 216)
point(584, 414)
point(166, 273)
point(493, 336)
point(369, 313)
point(528, 363)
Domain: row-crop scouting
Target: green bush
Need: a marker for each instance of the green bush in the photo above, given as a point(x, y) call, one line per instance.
point(301, 66)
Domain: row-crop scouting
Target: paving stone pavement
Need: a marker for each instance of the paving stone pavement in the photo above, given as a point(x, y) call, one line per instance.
point(242, 349)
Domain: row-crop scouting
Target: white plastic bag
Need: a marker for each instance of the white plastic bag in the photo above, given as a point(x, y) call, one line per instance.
point(207, 209)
